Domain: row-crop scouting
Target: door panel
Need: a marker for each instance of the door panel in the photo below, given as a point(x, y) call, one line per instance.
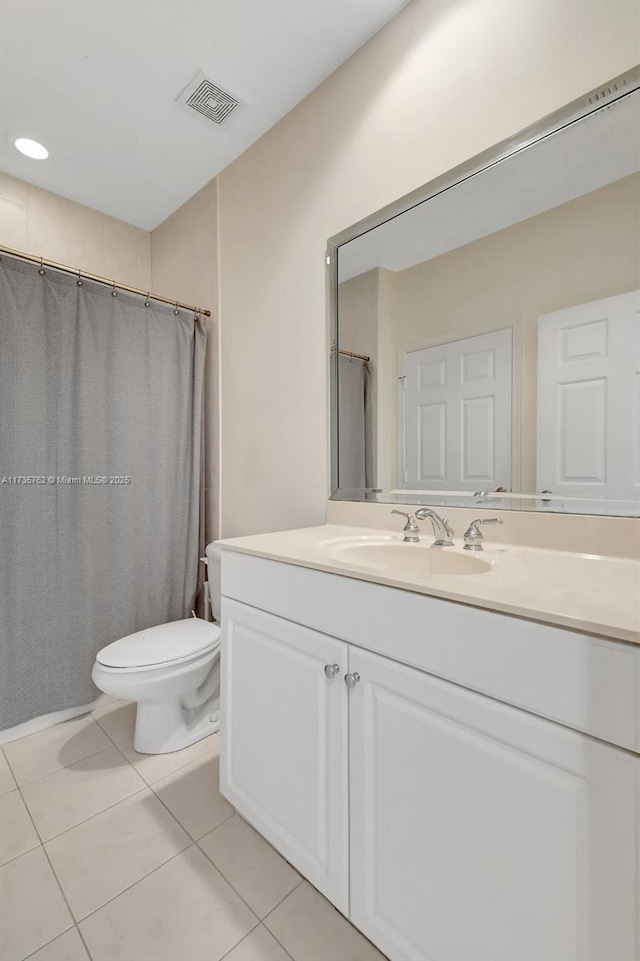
point(481, 832)
point(284, 745)
point(588, 372)
point(456, 431)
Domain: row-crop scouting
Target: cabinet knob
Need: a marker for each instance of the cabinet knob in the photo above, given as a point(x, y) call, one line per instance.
point(351, 679)
point(330, 670)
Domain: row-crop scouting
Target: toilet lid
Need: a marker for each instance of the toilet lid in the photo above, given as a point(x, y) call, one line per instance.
point(175, 641)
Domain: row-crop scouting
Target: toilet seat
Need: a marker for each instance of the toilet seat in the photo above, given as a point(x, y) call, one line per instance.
point(177, 642)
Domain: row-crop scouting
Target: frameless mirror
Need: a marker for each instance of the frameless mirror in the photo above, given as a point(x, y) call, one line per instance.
point(486, 329)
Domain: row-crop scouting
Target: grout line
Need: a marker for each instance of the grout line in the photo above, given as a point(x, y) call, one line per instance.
point(120, 745)
point(38, 844)
point(10, 769)
point(86, 946)
point(188, 833)
point(269, 913)
point(215, 827)
point(277, 940)
point(97, 814)
point(43, 946)
point(223, 875)
point(193, 844)
point(55, 876)
point(132, 885)
point(253, 930)
point(157, 868)
point(62, 768)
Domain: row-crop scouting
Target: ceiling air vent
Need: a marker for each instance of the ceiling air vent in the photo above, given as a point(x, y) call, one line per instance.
point(207, 97)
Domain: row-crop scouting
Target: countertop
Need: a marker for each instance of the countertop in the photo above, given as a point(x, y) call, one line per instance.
point(585, 592)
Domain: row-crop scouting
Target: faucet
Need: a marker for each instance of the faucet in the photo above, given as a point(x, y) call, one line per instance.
point(411, 529)
point(473, 536)
point(442, 530)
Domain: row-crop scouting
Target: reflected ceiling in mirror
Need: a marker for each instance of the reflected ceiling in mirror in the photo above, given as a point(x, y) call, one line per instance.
point(486, 329)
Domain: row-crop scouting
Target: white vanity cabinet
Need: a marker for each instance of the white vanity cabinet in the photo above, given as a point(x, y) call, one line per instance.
point(478, 831)
point(445, 823)
point(285, 741)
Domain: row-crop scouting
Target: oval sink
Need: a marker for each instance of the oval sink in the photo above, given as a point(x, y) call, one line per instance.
point(410, 560)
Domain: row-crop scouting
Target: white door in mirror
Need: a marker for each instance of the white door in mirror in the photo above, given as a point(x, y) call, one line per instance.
point(589, 399)
point(457, 415)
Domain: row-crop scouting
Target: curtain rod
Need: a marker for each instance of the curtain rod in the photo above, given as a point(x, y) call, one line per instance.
point(349, 353)
point(84, 275)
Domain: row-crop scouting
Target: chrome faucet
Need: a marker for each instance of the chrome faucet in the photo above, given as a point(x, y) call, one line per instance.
point(473, 535)
point(442, 530)
point(411, 530)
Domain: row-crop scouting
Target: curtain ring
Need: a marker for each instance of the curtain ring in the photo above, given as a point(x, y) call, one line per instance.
point(41, 269)
point(147, 302)
point(176, 311)
point(79, 280)
point(114, 292)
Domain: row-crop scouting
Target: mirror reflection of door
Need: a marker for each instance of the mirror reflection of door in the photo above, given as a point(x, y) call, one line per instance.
point(589, 399)
point(455, 432)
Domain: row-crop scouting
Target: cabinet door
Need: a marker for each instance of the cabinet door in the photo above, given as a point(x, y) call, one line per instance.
point(481, 832)
point(284, 741)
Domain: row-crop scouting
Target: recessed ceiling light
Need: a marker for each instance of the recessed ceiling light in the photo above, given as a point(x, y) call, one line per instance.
point(31, 148)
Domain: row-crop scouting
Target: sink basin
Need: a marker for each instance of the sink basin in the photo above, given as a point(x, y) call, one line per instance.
point(411, 560)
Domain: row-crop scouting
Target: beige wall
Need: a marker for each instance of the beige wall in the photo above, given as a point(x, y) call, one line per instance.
point(184, 265)
point(443, 81)
point(39, 222)
point(578, 252)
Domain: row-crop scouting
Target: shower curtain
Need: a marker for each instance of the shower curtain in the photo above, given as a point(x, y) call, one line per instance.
point(355, 447)
point(101, 437)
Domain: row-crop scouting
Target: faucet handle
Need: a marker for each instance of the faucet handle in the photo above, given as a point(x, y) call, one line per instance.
point(411, 529)
point(473, 536)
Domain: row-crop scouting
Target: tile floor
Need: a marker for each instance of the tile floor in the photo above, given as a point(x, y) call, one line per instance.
point(118, 856)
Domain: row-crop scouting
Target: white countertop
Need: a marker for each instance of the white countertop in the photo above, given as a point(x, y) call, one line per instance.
point(585, 592)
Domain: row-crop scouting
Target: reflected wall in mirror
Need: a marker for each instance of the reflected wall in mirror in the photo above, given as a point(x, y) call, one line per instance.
point(487, 338)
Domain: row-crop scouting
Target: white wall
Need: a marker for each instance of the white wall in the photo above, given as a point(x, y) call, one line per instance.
point(443, 81)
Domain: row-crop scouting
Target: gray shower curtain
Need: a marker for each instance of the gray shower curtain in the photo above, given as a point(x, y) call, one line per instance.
point(355, 442)
point(101, 435)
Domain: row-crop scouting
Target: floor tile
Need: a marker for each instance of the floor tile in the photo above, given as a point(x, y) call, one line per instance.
point(260, 945)
point(193, 796)
point(67, 797)
point(33, 909)
point(7, 780)
point(54, 748)
point(183, 911)
point(117, 720)
point(312, 930)
point(105, 701)
point(68, 947)
point(250, 864)
point(152, 767)
point(17, 833)
point(101, 857)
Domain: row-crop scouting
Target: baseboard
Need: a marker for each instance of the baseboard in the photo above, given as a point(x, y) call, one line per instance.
point(44, 721)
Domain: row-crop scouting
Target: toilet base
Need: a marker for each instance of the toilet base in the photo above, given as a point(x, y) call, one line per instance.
point(162, 726)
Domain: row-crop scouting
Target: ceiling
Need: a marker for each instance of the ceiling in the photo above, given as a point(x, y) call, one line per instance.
point(96, 82)
point(576, 160)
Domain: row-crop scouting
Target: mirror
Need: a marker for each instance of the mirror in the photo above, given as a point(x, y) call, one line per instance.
point(486, 329)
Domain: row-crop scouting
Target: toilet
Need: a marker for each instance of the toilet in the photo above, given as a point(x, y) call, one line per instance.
point(172, 671)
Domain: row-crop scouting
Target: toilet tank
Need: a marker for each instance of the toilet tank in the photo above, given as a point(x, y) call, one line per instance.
point(214, 555)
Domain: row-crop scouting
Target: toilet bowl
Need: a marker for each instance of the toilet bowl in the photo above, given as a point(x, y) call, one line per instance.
point(172, 672)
